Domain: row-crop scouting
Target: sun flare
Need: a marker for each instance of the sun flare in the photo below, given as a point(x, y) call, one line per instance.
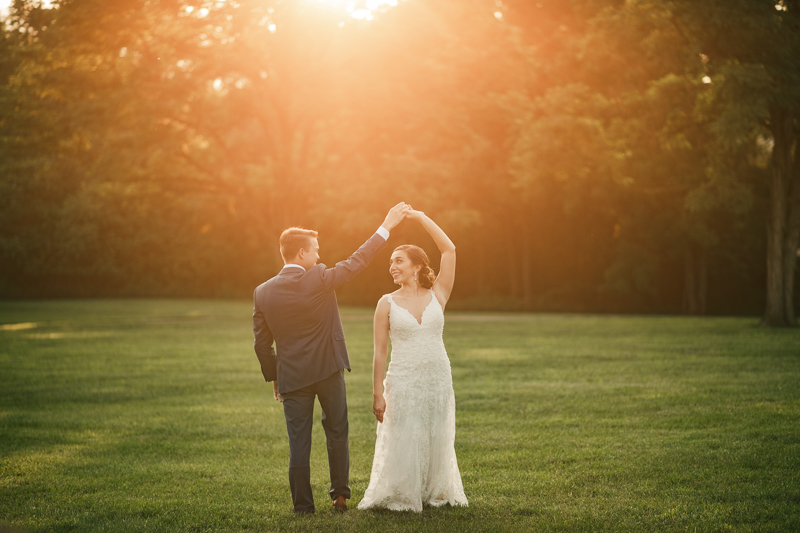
point(361, 10)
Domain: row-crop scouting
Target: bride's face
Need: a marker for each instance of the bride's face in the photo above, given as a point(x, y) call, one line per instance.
point(401, 268)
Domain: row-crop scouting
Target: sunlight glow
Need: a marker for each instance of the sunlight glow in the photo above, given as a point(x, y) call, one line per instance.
point(706, 79)
point(361, 14)
point(17, 327)
point(5, 6)
point(362, 9)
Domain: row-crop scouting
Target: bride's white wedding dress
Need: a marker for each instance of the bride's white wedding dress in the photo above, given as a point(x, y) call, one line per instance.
point(415, 461)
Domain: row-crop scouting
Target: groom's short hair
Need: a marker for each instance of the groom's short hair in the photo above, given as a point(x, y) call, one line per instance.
point(292, 239)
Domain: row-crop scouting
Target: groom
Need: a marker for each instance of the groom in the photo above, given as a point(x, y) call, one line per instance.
point(297, 310)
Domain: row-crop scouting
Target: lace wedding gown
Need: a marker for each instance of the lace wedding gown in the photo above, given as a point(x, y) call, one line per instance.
point(415, 461)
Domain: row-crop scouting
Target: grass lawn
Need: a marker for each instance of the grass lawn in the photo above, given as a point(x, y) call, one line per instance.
point(152, 415)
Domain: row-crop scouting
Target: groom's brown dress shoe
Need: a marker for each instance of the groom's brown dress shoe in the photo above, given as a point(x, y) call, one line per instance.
point(340, 504)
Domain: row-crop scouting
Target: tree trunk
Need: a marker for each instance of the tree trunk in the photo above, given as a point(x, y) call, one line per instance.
point(783, 225)
point(791, 247)
point(689, 283)
point(514, 275)
point(695, 281)
point(525, 246)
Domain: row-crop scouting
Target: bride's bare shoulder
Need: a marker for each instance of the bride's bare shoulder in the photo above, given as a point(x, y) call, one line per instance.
point(388, 296)
point(383, 303)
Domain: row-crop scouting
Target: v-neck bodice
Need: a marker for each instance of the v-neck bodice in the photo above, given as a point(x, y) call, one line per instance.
point(414, 340)
point(422, 317)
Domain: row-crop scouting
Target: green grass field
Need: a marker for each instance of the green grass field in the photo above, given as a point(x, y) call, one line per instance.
point(152, 415)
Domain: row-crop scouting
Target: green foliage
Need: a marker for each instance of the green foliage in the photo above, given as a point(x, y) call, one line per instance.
point(157, 148)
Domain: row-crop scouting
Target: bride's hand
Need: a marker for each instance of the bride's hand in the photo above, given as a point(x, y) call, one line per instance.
point(378, 407)
point(413, 214)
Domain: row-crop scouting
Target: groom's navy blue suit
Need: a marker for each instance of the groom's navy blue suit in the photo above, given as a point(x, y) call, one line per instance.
point(297, 310)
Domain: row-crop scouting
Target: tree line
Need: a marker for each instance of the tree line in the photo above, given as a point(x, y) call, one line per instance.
point(592, 155)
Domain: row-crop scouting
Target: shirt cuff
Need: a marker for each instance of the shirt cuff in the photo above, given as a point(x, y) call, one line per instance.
point(383, 232)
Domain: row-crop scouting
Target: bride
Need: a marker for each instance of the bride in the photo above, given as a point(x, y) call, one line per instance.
point(415, 461)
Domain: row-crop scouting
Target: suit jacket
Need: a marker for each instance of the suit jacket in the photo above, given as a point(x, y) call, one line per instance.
point(298, 311)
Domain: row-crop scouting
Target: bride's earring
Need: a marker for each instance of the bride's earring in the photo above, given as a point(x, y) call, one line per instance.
point(415, 276)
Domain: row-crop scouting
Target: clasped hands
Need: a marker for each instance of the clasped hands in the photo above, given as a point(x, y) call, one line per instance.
point(398, 213)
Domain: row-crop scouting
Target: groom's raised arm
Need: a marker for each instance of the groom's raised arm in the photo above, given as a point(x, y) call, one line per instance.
point(344, 271)
point(263, 344)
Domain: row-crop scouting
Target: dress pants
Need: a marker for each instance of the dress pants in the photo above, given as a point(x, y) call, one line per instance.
point(298, 408)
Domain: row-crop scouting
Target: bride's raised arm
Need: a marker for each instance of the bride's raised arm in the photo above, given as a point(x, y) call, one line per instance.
point(447, 268)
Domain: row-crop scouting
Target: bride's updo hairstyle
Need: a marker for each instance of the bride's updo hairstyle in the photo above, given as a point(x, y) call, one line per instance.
point(417, 256)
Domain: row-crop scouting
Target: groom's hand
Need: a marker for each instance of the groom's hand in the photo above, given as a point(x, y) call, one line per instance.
point(275, 393)
point(395, 215)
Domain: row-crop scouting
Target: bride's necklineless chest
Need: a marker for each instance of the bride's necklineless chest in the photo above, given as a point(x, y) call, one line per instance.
point(415, 308)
